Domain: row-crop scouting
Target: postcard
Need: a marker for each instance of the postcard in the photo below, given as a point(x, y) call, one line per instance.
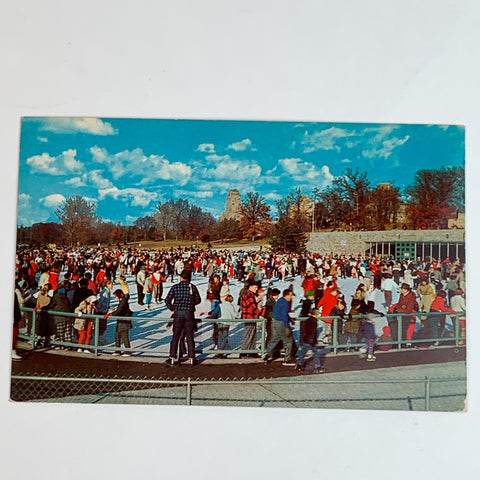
point(240, 263)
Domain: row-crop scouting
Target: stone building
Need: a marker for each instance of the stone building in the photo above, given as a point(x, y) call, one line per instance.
point(233, 208)
point(306, 206)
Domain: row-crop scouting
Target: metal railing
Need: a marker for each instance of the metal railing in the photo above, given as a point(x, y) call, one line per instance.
point(427, 394)
point(161, 346)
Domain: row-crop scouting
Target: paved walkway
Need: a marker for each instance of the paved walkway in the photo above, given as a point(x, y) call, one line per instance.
point(394, 390)
point(271, 385)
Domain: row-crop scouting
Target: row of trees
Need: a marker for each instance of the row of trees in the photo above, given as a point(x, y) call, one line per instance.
point(350, 202)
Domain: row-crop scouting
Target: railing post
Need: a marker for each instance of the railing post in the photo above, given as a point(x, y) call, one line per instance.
point(335, 334)
point(427, 394)
point(457, 329)
point(189, 391)
point(33, 328)
point(263, 338)
point(399, 332)
point(96, 335)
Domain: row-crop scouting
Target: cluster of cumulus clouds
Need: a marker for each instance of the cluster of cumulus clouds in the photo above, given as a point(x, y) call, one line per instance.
point(141, 180)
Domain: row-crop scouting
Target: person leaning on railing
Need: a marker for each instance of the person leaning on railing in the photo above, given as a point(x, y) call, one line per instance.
point(63, 324)
point(437, 322)
point(249, 306)
point(226, 311)
point(407, 304)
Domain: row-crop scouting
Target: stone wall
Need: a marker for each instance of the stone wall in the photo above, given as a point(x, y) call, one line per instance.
point(358, 242)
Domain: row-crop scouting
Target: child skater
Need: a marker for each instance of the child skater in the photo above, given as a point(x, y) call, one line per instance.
point(123, 326)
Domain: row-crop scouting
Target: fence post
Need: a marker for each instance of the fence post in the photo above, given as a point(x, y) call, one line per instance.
point(189, 391)
point(427, 394)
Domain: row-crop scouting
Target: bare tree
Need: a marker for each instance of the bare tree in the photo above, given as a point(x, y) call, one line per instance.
point(77, 215)
point(256, 219)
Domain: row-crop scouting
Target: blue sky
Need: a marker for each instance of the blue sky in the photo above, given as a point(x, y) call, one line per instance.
point(128, 166)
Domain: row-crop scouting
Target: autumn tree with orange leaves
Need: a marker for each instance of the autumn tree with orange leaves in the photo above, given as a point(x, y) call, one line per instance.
point(435, 196)
point(255, 216)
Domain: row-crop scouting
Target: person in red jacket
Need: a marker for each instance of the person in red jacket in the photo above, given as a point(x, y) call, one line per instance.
point(53, 277)
point(308, 284)
point(437, 322)
point(157, 279)
point(407, 304)
point(325, 305)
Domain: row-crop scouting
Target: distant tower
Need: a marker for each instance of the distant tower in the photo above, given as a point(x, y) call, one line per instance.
point(234, 206)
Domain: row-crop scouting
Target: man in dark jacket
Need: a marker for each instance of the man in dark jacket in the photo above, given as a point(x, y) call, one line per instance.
point(182, 299)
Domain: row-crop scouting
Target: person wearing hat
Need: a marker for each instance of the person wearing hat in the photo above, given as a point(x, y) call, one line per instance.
point(182, 299)
point(249, 309)
point(407, 304)
point(386, 337)
point(281, 329)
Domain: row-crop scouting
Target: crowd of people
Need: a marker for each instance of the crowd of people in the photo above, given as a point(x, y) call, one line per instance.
point(98, 280)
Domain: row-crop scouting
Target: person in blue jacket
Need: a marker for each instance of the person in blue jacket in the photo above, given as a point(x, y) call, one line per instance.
point(281, 328)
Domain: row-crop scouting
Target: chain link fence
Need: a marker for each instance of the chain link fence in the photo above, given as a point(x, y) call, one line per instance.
point(420, 394)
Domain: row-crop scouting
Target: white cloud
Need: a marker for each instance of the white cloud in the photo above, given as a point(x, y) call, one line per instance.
point(272, 196)
point(376, 141)
point(76, 182)
point(42, 139)
point(240, 146)
point(136, 164)
point(63, 164)
point(305, 172)
point(234, 169)
point(218, 158)
point(289, 165)
point(24, 201)
point(52, 201)
point(382, 144)
point(327, 174)
point(136, 197)
point(195, 194)
point(66, 125)
point(93, 178)
point(327, 139)
point(98, 181)
point(206, 148)
point(346, 160)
